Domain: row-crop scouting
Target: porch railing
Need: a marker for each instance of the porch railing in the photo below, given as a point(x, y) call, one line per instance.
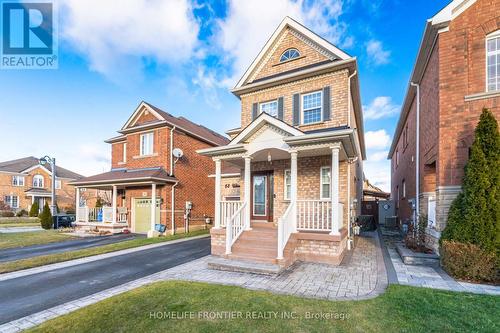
point(316, 215)
point(228, 208)
point(234, 227)
point(285, 229)
point(101, 214)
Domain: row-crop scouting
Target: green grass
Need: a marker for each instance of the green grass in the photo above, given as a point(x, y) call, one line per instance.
point(16, 265)
point(19, 222)
point(399, 309)
point(18, 239)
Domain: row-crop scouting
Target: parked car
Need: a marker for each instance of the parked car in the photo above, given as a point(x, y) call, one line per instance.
point(63, 220)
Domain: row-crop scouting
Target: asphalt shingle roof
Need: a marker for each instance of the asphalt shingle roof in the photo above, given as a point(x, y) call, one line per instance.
point(24, 163)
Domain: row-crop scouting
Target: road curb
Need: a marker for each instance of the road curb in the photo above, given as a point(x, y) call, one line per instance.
point(74, 262)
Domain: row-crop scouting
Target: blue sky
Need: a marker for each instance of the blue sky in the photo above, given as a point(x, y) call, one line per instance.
point(183, 56)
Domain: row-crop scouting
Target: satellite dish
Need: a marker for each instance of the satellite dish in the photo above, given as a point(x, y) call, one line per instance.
point(177, 152)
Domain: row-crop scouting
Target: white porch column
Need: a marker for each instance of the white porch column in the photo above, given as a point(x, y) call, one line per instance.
point(153, 206)
point(114, 203)
point(293, 190)
point(218, 167)
point(248, 183)
point(77, 203)
point(335, 190)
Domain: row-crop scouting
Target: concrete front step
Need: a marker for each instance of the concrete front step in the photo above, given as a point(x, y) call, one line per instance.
point(243, 266)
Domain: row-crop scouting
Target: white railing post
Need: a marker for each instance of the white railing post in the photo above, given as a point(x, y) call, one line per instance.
point(218, 167)
point(86, 214)
point(293, 190)
point(114, 204)
point(77, 203)
point(335, 190)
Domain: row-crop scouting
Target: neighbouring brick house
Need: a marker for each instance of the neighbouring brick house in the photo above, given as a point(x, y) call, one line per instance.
point(300, 148)
point(146, 167)
point(456, 74)
point(24, 181)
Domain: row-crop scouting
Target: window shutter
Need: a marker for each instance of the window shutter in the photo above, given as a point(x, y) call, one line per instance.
point(254, 110)
point(326, 103)
point(280, 108)
point(296, 109)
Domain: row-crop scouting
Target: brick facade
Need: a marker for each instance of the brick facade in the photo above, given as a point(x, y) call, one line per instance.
point(454, 74)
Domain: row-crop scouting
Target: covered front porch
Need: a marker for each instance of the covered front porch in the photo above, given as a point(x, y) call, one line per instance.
point(297, 192)
point(130, 206)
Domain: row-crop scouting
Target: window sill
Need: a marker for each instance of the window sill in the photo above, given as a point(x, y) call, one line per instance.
point(312, 124)
point(287, 61)
point(483, 95)
point(144, 156)
point(121, 163)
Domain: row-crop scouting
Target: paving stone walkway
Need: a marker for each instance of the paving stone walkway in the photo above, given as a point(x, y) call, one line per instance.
point(425, 276)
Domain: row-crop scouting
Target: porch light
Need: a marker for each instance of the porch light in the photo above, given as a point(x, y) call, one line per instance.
point(269, 158)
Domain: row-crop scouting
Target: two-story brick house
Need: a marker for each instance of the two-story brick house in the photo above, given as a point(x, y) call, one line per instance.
point(300, 148)
point(148, 166)
point(456, 74)
point(24, 181)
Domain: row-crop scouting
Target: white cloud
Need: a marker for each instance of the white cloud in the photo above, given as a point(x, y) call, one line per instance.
point(380, 107)
point(249, 24)
point(377, 139)
point(117, 37)
point(207, 82)
point(376, 53)
point(378, 173)
point(378, 156)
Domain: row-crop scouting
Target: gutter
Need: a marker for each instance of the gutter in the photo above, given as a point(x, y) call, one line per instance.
point(349, 96)
point(171, 150)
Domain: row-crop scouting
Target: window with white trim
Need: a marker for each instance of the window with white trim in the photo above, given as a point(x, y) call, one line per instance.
point(12, 201)
point(17, 180)
point(124, 153)
point(312, 107)
point(493, 62)
point(271, 108)
point(38, 181)
point(147, 144)
point(288, 184)
point(325, 180)
point(289, 55)
point(58, 184)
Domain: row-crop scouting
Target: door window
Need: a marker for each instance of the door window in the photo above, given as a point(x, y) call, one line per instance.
point(259, 195)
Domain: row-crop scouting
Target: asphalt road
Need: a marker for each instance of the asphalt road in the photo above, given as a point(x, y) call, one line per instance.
point(57, 247)
point(33, 293)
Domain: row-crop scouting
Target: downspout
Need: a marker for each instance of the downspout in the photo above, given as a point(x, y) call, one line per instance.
point(349, 98)
point(417, 155)
point(172, 195)
point(350, 161)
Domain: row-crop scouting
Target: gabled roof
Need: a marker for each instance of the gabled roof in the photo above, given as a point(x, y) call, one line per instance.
point(24, 164)
point(165, 118)
point(336, 53)
point(258, 123)
point(434, 25)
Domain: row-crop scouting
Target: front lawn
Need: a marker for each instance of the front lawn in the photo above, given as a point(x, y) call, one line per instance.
point(399, 309)
point(20, 222)
point(17, 265)
point(18, 239)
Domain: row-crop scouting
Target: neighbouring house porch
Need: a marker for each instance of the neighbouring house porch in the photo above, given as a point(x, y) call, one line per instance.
point(131, 203)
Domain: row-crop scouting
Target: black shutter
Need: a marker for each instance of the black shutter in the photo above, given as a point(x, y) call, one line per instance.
point(255, 106)
point(326, 103)
point(296, 109)
point(280, 108)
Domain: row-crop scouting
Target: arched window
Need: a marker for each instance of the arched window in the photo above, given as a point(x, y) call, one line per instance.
point(38, 181)
point(289, 54)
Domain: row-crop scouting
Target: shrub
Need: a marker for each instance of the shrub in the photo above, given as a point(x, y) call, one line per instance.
point(22, 212)
point(35, 208)
point(99, 202)
point(416, 238)
point(7, 213)
point(46, 218)
point(469, 262)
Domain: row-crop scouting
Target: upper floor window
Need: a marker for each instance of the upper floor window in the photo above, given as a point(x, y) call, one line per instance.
point(12, 201)
point(147, 144)
point(288, 184)
point(58, 184)
point(289, 54)
point(124, 153)
point(493, 62)
point(17, 181)
point(38, 181)
point(271, 108)
point(325, 182)
point(311, 107)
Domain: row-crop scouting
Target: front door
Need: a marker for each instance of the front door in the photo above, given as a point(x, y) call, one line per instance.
point(262, 196)
point(142, 214)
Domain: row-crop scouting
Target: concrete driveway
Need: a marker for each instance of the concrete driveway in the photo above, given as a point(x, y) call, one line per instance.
point(57, 247)
point(33, 293)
